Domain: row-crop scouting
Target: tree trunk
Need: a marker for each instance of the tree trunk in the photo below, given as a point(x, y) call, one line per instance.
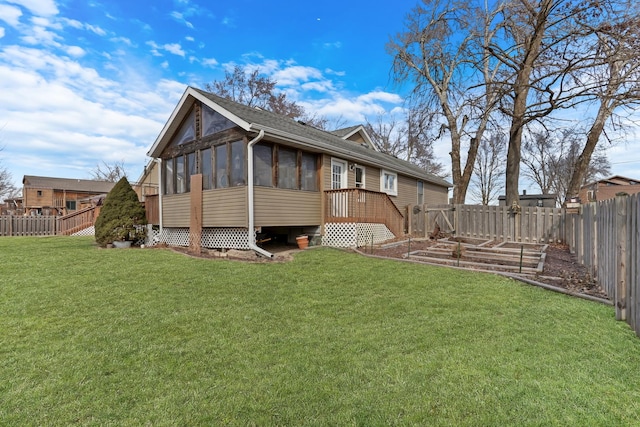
point(582, 164)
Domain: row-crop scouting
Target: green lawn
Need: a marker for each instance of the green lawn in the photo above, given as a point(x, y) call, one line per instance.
point(90, 336)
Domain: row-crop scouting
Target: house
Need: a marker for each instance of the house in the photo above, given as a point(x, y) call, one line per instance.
point(532, 200)
point(238, 171)
point(607, 188)
point(12, 206)
point(148, 184)
point(59, 196)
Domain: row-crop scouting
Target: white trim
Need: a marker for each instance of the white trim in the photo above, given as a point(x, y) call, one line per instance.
point(383, 182)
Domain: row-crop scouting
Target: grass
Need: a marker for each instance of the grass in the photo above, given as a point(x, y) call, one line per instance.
point(151, 337)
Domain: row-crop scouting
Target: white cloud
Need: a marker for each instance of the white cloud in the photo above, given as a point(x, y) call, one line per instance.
point(75, 51)
point(209, 62)
point(62, 118)
point(174, 48)
point(1, 32)
point(38, 7)
point(10, 14)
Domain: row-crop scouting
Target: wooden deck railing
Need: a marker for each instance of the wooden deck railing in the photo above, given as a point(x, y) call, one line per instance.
point(359, 205)
point(152, 207)
point(78, 220)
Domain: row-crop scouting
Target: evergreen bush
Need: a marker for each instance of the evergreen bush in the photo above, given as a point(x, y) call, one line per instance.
point(121, 216)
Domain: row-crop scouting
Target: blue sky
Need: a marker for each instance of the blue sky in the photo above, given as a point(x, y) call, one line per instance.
point(83, 82)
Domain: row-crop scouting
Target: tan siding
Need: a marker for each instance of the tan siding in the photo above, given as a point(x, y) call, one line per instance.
point(407, 192)
point(435, 195)
point(372, 178)
point(225, 207)
point(175, 210)
point(277, 207)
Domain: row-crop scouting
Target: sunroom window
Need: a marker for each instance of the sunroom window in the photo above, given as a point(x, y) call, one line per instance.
point(287, 168)
point(181, 178)
point(237, 163)
point(262, 165)
point(222, 178)
point(308, 172)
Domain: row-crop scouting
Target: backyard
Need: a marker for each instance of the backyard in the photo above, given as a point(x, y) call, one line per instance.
point(92, 336)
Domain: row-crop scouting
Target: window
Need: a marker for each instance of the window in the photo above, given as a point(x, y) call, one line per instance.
point(420, 192)
point(191, 168)
point(262, 165)
point(389, 182)
point(181, 178)
point(187, 131)
point(213, 122)
point(39, 193)
point(287, 168)
point(222, 179)
point(308, 172)
point(169, 186)
point(237, 163)
point(206, 169)
point(359, 177)
point(71, 205)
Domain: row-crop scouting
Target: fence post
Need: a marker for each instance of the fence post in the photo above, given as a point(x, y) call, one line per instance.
point(621, 257)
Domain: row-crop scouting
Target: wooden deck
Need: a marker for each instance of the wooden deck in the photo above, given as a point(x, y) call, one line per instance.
point(363, 206)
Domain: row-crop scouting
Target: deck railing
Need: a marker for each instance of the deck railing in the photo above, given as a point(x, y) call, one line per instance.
point(78, 220)
point(363, 206)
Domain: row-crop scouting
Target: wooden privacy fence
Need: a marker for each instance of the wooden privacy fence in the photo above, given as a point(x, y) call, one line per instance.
point(530, 225)
point(11, 225)
point(605, 237)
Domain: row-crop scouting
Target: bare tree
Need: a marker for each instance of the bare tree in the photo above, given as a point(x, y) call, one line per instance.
point(550, 157)
point(442, 53)
point(543, 45)
point(489, 168)
point(617, 71)
point(7, 188)
point(406, 138)
point(110, 172)
point(255, 90)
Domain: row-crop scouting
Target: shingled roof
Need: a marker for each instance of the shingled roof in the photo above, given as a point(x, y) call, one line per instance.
point(276, 125)
point(67, 184)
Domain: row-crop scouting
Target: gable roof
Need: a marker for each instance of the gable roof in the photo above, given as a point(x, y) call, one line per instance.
point(348, 133)
point(614, 180)
point(284, 129)
point(67, 184)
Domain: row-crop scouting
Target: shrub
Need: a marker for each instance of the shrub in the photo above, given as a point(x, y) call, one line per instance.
point(120, 215)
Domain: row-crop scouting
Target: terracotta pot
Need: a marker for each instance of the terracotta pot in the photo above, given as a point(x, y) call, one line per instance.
point(303, 241)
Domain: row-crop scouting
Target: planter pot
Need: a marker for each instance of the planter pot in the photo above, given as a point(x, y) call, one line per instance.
point(119, 244)
point(303, 241)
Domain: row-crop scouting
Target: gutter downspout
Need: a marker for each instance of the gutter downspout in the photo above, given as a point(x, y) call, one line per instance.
point(250, 197)
point(160, 191)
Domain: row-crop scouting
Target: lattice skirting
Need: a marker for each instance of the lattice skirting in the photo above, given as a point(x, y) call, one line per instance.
point(212, 238)
point(89, 231)
point(345, 235)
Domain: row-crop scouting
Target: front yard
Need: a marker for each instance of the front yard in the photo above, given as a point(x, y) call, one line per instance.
point(93, 336)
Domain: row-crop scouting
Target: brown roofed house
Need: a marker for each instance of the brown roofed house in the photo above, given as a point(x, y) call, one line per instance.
point(607, 188)
point(59, 196)
point(263, 174)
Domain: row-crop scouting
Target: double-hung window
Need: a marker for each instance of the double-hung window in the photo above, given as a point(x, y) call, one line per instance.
point(389, 182)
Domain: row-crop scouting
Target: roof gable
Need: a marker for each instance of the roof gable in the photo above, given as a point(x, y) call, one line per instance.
point(357, 134)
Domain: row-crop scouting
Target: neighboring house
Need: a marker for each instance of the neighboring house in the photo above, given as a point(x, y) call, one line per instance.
point(59, 196)
point(149, 182)
point(533, 200)
point(608, 188)
point(278, 177)
point(12, 206)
